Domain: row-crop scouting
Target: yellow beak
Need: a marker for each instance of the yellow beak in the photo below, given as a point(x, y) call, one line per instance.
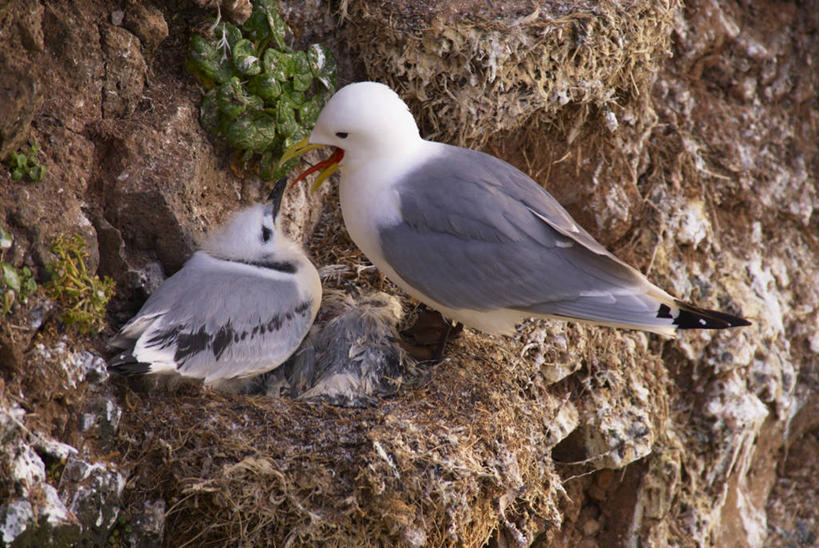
point(327, 167)
point(297, 150)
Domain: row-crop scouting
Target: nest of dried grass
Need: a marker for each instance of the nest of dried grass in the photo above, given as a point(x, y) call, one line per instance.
point(445, 463)
point(471, 70)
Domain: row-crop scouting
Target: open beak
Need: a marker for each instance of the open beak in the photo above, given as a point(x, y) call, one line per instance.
point(326, 167)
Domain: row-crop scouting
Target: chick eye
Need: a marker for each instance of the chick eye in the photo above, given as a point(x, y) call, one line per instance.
point(266, 233)
point(341, 134)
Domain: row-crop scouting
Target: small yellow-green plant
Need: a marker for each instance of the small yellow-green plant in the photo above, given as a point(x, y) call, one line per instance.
point(24, 165)
point(83, 297)
point(16, 284)
point(263, 96)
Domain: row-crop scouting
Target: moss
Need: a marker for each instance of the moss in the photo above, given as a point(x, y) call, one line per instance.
point(82, 296)
point(16, 284)
point(24, 165)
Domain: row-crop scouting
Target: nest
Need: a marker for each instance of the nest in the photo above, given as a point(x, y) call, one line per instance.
point(446, 463)
point(470, 71)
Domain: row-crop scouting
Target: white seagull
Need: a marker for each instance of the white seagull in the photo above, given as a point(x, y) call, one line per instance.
point(238, 308)
point(472, 236)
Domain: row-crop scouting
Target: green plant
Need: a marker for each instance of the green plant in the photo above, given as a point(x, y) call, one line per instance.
point(83, 297)
point(16, 284)
point(24, 165)
point(263, 96)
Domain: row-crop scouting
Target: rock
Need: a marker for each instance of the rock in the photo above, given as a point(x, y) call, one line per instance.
point(27, 469)
point(102, 418)
point(147, 525)
point(236, 11)
point(147, 23)
point(93, 493)
point(15, 518)
point(21, 91)
point(75, 367)
point(124, 74)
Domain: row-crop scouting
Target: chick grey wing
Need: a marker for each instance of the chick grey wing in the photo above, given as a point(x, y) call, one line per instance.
point(218, 319)
point(479, 234)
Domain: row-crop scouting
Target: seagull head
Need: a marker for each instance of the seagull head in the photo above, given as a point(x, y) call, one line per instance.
point(253, 233)
point(362, 120)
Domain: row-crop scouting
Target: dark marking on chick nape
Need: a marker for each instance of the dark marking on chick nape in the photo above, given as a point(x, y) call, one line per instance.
point(280, 266)
point(692, 317)
point(266, 234)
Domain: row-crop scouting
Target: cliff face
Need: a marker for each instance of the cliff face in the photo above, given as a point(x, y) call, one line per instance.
point(683, 137)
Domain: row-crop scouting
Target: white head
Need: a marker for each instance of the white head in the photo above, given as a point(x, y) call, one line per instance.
point(252, 234)
point(366, 119)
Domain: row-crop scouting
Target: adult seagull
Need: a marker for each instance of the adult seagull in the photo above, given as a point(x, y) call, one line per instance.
point(238, 308)
point(472, 236)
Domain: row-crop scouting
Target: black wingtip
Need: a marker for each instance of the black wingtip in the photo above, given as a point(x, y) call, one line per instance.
point(693, 317)
point(126, 364)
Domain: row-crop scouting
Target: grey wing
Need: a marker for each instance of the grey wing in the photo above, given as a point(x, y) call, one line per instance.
point(220, 323)
point(479, 234)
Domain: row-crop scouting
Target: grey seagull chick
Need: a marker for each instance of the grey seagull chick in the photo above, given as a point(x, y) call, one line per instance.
point(351, 356)
point(238, 308)
point(472, 236)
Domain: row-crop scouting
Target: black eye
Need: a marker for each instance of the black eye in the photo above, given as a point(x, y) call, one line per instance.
point(341, 134)
point(266, 233)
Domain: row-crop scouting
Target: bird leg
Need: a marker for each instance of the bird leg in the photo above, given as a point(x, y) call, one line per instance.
point(426, 339)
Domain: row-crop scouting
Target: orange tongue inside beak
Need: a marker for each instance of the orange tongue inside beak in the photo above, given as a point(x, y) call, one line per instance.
point(327, 168)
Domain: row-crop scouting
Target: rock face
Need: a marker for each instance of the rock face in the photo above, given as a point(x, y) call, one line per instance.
point(684, 137)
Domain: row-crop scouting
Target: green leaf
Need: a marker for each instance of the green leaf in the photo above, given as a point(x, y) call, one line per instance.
point(10, 277)
point(6, 239)
point(251, 132)
point(207, 60)
point(322, 65)
point(286, 118)
point(278, 28)
point(226, 34)
point(301, 82)
point(230, 97)
point(29, 285)
point(245, 59)
point(17, 174)
point(297, 136)
point(290, 95)
point(300, 64)
point(36, 173)
point(17, 159)
point(266, 86)
point(256, 27)
point(276, 64)
point(309, 111)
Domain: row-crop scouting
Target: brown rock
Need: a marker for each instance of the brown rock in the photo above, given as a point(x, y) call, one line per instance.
point(124, 72)
point(147, 22)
